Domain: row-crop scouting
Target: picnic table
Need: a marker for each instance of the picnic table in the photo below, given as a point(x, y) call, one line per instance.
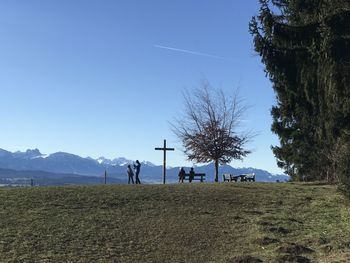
point(249, 177)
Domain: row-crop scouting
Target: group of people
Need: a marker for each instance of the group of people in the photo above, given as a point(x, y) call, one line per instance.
point(182, 175)
point(137, 167)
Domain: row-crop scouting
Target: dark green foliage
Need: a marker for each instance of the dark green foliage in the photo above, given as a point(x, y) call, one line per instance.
point(305, 46)
point(342, 165)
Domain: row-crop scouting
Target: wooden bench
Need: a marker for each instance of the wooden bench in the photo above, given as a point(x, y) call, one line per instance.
point(230, 177)
point(197, 177)
point(242, 177)
point(247, 177)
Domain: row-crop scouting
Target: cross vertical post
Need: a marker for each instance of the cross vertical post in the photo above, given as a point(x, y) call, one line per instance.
point(164, 149)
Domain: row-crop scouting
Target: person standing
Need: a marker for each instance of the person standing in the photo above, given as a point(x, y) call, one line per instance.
point(191, 175)
point(182, 174)
point(130, 174)
point(137, 168)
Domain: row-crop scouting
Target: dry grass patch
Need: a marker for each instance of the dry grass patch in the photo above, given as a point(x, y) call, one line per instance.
point(175, 223)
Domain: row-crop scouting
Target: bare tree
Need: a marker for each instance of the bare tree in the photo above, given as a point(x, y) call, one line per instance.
point(208, 127)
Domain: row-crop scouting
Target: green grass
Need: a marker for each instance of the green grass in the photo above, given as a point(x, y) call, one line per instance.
point(175, 223)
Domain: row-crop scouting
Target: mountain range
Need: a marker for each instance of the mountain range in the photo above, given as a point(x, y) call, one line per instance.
point(67, 165)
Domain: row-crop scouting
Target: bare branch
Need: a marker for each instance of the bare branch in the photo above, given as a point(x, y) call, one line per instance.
point(208, 128)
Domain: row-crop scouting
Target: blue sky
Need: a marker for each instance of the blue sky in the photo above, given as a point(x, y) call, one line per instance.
point(93, 77)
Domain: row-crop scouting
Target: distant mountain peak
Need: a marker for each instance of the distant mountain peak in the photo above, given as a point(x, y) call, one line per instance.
point(148, 163)
point(4, 152)
point(33, 151)
point(121, 161)
point(101, 160)
point(63, 155)
point(28, 154)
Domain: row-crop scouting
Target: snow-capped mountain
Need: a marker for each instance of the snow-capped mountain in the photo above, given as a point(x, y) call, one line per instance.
point(67, 163)
point(148, 164)
point(29, 154)
point(115, 162)
point(61, 162)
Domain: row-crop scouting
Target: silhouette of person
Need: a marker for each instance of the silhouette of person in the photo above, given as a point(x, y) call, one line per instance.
point(137, 168)
point(191, 174)
point(130, 174)
point(182, 174)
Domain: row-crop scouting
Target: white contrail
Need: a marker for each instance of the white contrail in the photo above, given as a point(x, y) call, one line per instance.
point(190, 52)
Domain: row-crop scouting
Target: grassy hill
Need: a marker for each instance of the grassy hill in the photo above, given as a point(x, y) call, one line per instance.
point(175, 223)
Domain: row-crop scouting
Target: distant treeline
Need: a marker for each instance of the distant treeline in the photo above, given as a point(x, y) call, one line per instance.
point(14, 178)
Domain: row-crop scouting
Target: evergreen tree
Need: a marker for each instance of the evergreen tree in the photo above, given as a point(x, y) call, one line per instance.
point(305, 46)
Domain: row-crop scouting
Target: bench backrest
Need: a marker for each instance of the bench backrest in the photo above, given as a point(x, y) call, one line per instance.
point(196, 174)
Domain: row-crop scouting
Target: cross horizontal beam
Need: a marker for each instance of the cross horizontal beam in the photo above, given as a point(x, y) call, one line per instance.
point(165, 149)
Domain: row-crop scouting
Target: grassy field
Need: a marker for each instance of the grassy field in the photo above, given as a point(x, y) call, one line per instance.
point(238, 222)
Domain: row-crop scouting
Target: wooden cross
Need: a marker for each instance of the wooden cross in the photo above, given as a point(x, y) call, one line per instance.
point(164, 149)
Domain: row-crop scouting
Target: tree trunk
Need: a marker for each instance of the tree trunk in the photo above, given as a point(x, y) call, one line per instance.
point(216, 170)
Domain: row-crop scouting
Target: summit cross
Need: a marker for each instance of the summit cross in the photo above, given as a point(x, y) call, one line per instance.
point(164, 149)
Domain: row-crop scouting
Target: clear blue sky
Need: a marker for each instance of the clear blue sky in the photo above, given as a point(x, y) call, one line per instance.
point(90, 77)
